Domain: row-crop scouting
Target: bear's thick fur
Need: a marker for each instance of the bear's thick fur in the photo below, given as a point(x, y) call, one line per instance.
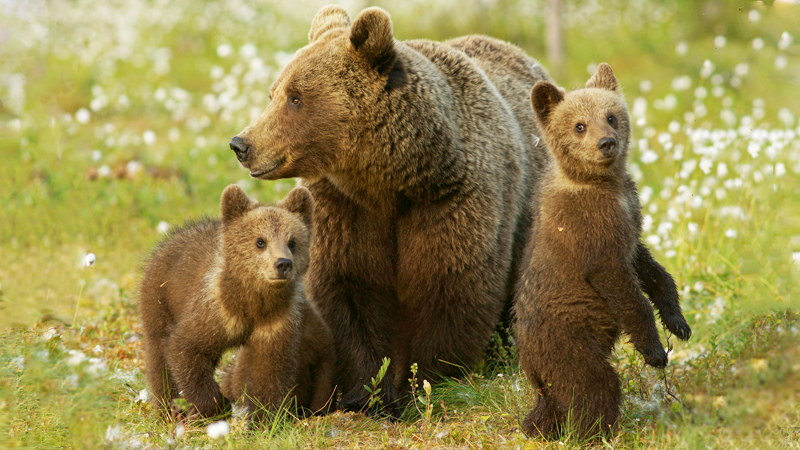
point(252, 378)
point(213, 284)
point(421, 156)
point(584, 267)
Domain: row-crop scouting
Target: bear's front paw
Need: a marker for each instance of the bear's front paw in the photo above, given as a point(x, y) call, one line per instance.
point(655, 356)
point(387, 402)
point(677, 325)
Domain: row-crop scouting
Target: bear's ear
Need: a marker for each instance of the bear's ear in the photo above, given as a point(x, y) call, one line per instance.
point(300, 201)
point(371, 35)
point(544, 98)
point(234, 203)
point(328, 18)
point(603, 78)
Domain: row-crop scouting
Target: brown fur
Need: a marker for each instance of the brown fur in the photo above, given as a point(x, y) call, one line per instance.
point(212, 283)
point(584, 266)
point(253, 376)
point(421, 158)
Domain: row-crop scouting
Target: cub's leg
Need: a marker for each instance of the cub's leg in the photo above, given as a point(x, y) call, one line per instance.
point(162, 384)
point(658, 284)
point(192, 358)
point(617, 284)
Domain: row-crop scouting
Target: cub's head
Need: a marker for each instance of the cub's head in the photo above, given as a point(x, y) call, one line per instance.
point(266, 246)
point(587, 130)
point(319, 98)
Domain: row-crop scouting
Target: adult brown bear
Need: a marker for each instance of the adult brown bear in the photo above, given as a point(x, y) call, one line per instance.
point(420, 156)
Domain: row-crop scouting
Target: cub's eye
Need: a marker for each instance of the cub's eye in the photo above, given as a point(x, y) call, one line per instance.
point(295, 101)
point(292, 244)
point(261, 243)
point(611, 119)
point(580, 128)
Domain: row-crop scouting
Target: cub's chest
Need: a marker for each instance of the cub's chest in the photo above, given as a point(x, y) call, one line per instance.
point(591, 216)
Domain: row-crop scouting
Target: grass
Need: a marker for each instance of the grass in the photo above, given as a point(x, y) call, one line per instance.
point(118, 118)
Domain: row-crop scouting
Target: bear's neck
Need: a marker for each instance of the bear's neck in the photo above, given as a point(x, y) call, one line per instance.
point(407, 152)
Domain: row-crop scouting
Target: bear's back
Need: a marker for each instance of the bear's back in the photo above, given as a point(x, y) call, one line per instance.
point(175, 273)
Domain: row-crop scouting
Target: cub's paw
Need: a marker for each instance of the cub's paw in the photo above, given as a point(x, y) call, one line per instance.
point(677, 325)
point(655, 356)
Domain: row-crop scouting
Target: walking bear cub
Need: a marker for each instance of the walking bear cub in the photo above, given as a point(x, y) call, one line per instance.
point(584, 267)
point(217, 284)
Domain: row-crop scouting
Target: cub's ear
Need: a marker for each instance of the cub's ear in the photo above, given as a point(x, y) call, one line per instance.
point(234, 203)
point(371, 35)
point(328, 18)
point(300, 201)
point(544, 98)
point(603, 78)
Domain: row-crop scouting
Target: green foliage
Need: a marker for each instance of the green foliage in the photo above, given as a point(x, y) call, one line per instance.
point(373, 389)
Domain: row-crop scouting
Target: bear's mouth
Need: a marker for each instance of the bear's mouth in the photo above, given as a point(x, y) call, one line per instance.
point(261, 173)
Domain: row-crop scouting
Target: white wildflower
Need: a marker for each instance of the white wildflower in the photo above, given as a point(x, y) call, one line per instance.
point(674, 127)
point(682, 48)
point(670, 254)
point(82, 116)
point(730, 233)
point(753, 16)
point(248, 51)
point(224, 50)
point(781, 62)
point(89, 260)
point(645, 86)
point(785, 40)
point(681, 83)
point(741, 69)
point(149, 137)
point(143, 397)
point(51, 333)
point(693, 227)
point(649, 156)
point(707, 69)
point(720, 41)
point(163, 227)
point(76, 357)
point(780, 170)
point(758, 44)
point(218, 430)
point(653, 240)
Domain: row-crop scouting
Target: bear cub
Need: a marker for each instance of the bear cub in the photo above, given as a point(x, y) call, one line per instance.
point(213, 285)
point(585, 268)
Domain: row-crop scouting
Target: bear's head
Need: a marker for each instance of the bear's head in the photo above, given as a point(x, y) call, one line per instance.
point(312, 119)
point(587, 130)
point(266, 247)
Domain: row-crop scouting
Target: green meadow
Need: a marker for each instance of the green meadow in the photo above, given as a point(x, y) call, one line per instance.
point(115, 126)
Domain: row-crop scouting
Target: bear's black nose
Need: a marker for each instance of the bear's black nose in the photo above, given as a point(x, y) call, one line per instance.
point(241, 149)
point(283, 266)
point(606, 145)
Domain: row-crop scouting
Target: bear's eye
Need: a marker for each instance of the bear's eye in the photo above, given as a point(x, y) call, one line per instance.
point(292, 244)
point(580, 128)
point(295, 101)
point(611, 119)
point(261, 243)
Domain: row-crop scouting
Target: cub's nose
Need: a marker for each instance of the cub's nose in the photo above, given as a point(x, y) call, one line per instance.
point(241, 148)
point(283, 266)
point(607, 146)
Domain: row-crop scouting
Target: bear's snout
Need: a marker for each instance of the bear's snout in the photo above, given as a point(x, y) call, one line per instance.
point(282, 267)
point(241, 148)
point(607, 146)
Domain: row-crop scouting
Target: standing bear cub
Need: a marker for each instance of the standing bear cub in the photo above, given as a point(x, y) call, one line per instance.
point(217, 284)
point(584, 267)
